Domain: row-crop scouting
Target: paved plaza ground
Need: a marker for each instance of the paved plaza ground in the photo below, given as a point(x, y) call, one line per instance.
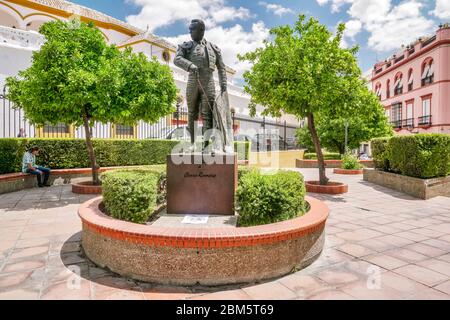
point(380, 244)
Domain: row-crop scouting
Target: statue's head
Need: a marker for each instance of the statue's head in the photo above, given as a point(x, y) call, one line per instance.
point(197, 29)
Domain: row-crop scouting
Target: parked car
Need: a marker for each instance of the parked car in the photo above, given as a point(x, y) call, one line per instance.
point(176, 133)
point(268, 142)
point(291, 143)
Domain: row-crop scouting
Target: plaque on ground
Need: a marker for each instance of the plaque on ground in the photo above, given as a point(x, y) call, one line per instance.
point(201, 184)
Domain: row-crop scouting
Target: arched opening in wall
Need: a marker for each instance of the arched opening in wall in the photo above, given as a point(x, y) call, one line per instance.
point(104, 36)
point(398, 83)
point(7, 18)
point(33, 22)
point(427, 71)
point(378, 90)
point(388, 89)
point(410, 80)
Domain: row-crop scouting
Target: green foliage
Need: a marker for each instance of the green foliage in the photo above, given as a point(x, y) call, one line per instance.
point(326, 156)
point(130, 195)
point(303, 70)
point(161, 174)
point(349, 161)
point(303, 137)
point(76, 78)
point(423, 155)
point(71, 153)
point(367, 123)
point(268, 198)
point(420, 155)
point(243, 170)
point(75, 72)
point(11, 153)
point(380, 153)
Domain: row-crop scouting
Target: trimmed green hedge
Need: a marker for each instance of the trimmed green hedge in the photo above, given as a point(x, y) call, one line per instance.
point(380, 153)
point(72, 153)
point(130, 195)
point(421, 155)
point(268, 198)
point(326, 156)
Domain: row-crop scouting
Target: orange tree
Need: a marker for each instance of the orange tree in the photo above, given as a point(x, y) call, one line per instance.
point(304, 71)
point(77, 78)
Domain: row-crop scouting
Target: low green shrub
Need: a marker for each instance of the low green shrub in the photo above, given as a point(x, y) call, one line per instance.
point(350, 161)
point(72, 153)
point(326, 156)
point(130, 195)
point(380, 153)
point(243, 170)
point(420, 155)
point(268, 198)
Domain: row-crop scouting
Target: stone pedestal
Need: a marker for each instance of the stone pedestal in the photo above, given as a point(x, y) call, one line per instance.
point(201, 184)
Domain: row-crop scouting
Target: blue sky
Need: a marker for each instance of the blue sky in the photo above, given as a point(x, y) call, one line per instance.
point(379, 27)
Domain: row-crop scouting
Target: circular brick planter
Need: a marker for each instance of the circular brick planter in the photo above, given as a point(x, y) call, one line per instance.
point(205, 256)
point(86, 187)
point(330, 188)
point(347, 171)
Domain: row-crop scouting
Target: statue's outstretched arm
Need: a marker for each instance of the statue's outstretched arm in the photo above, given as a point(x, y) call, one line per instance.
point(180, 60)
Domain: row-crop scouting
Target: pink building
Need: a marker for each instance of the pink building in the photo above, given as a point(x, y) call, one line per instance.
point(414, 85)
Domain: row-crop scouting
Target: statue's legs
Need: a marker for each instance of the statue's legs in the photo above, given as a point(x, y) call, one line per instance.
point(193, 103)
point(207, 104)
point(200, 100)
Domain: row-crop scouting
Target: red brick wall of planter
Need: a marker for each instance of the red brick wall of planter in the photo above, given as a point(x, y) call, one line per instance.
point(207, 256)
point(330, 188)
point(86, 187)
point(347, 171)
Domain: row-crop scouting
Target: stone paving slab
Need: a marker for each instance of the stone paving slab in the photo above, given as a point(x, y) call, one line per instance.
point(380, 244)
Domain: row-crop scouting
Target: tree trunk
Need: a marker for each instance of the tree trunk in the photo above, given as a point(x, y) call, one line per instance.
point(315, 138)
point(341, 149)
point(90, 147)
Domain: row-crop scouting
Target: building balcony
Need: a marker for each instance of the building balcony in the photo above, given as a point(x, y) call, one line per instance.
point(20, 38)
point(398, 91)
point(408, 123)
point(396, 124)
point(424, 121)
point(427, 80)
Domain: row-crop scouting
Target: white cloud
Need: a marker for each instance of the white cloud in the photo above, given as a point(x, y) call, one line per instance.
point(442, 9)
point(335, 4)
point(157, 13)
point(232, 41)
point(389, 26)
point(277, 9)
point(352, 28)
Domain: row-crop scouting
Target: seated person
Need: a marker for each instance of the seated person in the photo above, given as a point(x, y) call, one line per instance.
point(364, 156)
point(29, 166)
